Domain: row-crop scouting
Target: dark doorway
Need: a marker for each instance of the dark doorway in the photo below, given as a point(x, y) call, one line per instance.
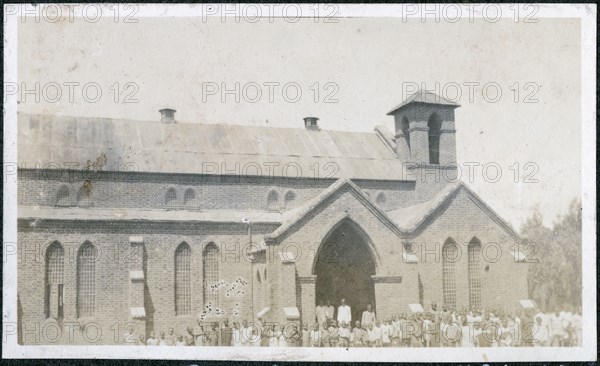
point(344, 267)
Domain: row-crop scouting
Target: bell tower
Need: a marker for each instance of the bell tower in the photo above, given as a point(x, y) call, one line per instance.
point(425, 132)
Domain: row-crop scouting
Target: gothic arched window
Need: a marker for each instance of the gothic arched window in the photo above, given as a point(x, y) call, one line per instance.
point(290, 196)
point(404, 128)
point(189, 197)
point(449, 257)
point(55, 265)
point(62, 196)
point(86, 280)
point(210, 266)
point(474, 273)
point(183, 280)
point(171, 197)
point(434, 123)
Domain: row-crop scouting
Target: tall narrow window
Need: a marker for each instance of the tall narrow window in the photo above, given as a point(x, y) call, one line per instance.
point(183, 280)
point(272, 200)
point(474, 252)
point(449, 257)
point(55, 265)
point(189, 197)
point(86, 280)
point(210, 261)
point(171, 197)
point(290, 196)
point(434, 125)
point(404, 128)
point(62, 196)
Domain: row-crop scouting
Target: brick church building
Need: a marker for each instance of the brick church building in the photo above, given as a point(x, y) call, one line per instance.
point(147, 225)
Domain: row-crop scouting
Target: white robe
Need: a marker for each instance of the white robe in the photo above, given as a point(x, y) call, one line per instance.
point(344, 314)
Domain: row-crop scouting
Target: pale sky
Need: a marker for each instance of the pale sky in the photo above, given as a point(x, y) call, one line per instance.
point(367, 60)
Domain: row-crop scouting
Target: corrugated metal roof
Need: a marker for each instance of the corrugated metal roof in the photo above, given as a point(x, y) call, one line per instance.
point(183, 148)
point(423, 96)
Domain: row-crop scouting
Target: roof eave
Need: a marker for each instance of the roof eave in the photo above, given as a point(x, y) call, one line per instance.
point(397, 108)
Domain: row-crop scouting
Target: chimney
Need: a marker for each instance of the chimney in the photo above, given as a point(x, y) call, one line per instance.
point(311, 123)
point(167, 115)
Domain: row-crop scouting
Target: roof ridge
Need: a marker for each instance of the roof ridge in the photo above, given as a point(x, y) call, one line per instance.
point(70, 118)
point(185, 148)
point(297, 214)
point(420, 96)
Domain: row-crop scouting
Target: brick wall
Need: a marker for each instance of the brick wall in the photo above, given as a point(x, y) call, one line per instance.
point(148, 191)
point(503, 282)
point(112, 274)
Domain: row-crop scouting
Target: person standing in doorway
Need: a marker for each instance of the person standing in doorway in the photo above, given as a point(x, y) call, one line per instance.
point(321, 312)
point(344, 314)
point(368, 317)
point(329, 309)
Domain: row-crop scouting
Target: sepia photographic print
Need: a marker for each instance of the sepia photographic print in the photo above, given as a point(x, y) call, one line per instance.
point(300, 182)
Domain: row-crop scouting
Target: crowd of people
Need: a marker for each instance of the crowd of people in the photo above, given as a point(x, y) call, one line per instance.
point(432, 328)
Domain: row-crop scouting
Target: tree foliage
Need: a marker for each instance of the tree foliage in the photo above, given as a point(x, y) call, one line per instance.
point(555, 280)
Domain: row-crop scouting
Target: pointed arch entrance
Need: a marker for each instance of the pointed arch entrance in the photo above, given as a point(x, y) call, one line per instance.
point(344, 266)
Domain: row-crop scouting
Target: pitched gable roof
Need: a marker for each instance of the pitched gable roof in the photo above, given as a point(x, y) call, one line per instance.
point(423, 96)
point(291, 217)
point(411, 218)
point(186, 148)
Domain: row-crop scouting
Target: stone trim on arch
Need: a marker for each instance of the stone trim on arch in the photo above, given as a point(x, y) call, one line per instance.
point(189, 196)
point(289, 198)
point(171, 197)
point(359, 230)
point(292, 218)
point(272, 202)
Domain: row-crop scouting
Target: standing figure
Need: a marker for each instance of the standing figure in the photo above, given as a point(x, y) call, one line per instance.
point(265, 333)
point(236, 336)
point(321, 313)
point(151, 341)
point(358, 335)
point(368, 317)
point(171, 339)
point(385, 334)
point(305, 336)
point(246, 334)
point(199, 333)
point(314, 336)
point(329, 309)
point(161, 339)
point(344, 313)
point(344, 333)
point(226, 332)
